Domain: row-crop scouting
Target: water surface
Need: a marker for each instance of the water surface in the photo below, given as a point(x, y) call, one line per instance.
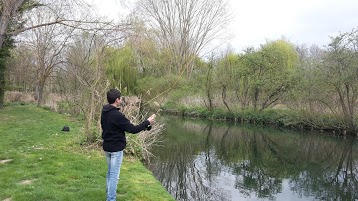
point(202, 160)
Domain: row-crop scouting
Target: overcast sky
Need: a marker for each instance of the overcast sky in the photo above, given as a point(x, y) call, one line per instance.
point(303, 21)
point(300, 21)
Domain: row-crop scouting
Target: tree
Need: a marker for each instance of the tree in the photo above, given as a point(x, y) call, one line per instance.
point(21, 69)
point(209, 78)
point(10, 14)
point(9, 11)
point(242, 85)
point(83, 81)
point(184, 28)
point(308, 94)
point(48, 44)
point(227, 75)
point(271, 72)
point(13, 20)
point(340, 74)
point(4, 54)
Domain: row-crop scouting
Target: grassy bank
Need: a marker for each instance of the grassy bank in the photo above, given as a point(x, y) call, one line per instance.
point(39, 162)
point(283, 118)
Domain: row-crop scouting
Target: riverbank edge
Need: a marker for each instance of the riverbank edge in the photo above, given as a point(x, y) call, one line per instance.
point(280, 118)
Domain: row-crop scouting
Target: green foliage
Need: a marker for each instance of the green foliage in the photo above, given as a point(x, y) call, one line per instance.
point(270, 72)
point(153, 62)
point(169, 89)
point(328, 83)
point(150, 60)
point(150, 86)
point(228, 69)
point(122, 70)
point(4, 55)
point(28, 5)
point(64, 107)
point(339, 70)
point(285, 118)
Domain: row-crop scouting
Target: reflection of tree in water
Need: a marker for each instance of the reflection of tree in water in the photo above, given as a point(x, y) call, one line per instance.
point(314, 165)
point(338, 178)
point(252, 174)
point(253, 180)
point(322, 168)
point(183, 174)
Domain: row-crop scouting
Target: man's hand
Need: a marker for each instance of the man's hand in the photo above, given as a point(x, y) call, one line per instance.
point(151, 119)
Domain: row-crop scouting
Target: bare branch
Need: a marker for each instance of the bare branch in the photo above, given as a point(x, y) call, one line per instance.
point(104, 26)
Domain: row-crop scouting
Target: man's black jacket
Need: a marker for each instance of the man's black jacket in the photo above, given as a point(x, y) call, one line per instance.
point(114, 124)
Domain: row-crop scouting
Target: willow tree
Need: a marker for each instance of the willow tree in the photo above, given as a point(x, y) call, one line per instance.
point(271, 71)
point(122, 70)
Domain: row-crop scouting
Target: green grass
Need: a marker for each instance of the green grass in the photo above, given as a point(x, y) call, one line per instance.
point(47, 164)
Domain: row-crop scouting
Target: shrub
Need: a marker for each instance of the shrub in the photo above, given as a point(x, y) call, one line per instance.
point(63, 107)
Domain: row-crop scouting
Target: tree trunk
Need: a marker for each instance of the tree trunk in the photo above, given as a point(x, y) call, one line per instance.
point(9, 9)
point(351, 99)
point(223, 95)
point(208, 86)
point(40, 93)
point(90, 117)
point(345, 109)
point(256, 98)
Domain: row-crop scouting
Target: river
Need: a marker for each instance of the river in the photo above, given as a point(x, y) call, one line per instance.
point(203, 160)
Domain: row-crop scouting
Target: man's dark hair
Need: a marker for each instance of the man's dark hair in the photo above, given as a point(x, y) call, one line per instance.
point(112, 95)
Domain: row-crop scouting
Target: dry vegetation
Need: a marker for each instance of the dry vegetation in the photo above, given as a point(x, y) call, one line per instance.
point(51, 99)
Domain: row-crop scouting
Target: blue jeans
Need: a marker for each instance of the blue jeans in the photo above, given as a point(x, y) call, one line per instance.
point(114, 161)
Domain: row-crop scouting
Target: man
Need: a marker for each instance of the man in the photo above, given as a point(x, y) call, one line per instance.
point(114, 124)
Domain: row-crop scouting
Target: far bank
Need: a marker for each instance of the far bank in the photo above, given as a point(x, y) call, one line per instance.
point(281, 118)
